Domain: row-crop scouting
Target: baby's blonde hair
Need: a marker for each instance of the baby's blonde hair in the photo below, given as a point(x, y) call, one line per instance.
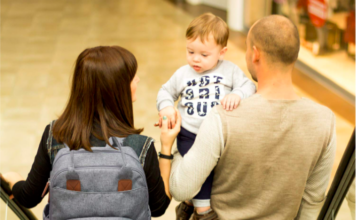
point(207, 24)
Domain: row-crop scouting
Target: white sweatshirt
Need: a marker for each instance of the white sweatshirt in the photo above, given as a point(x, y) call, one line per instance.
point(200, 92)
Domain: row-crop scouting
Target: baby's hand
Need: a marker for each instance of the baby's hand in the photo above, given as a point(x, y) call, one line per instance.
point(230, 101)
point(171, 115)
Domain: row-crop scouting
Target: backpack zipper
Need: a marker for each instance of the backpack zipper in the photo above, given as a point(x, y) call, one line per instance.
point(101, 151)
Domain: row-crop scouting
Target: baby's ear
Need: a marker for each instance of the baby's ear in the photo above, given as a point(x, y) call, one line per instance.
point(222, 53)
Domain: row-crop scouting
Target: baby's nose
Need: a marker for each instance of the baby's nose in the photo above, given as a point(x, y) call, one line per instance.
point(196, 58)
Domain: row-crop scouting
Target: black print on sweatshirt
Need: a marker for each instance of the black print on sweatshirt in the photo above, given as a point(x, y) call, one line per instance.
point(202, 94)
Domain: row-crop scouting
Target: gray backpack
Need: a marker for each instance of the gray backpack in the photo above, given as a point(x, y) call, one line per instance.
point(104, 184)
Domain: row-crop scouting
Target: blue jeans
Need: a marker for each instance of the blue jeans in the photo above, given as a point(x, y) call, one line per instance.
point(185, 141)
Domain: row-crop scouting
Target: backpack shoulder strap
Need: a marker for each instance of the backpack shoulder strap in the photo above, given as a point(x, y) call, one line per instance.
point(52, 145)
point(49, 140)
point(140, 144)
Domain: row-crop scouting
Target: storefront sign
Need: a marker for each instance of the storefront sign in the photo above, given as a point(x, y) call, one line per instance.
point(317, 10)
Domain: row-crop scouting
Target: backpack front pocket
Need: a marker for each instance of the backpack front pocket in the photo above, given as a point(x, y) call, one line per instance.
point(85, 205)
point(101, 218)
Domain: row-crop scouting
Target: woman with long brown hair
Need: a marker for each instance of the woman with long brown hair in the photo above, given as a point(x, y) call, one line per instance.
point(99, 107)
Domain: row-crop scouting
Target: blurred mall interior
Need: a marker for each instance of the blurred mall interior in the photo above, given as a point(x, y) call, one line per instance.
point(41, 39)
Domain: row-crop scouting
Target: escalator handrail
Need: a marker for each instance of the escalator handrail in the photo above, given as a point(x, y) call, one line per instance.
point(344, 176)
point(14, 205)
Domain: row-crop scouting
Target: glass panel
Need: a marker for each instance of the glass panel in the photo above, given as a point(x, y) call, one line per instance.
point(347, 209)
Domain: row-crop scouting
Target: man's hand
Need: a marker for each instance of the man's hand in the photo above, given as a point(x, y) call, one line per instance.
point(230, 101)
point(171, 115)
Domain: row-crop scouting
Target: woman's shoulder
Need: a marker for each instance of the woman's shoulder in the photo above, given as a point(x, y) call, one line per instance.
point(46, 134)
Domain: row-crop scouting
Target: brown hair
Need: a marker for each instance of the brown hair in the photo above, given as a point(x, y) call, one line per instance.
point(100, 102)
point(278, 37)
point(207, 24)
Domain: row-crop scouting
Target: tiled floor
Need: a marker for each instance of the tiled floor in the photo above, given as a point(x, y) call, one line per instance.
point(40, 41)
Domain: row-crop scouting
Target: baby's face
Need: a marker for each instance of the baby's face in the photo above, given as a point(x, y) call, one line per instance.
point(204, 56)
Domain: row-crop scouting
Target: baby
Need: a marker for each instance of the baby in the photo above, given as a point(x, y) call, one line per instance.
point(205, 82)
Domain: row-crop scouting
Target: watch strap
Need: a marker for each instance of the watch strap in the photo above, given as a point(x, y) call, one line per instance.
point(165, 156)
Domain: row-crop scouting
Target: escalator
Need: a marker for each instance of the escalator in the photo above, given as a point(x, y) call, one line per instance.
point(11, 208)
point(343, 186)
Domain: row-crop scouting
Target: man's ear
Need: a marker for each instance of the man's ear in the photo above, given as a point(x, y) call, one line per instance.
point(256, 54)
point(222, 53)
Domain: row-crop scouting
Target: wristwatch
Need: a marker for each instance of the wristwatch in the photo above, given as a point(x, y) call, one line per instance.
point(165, 156)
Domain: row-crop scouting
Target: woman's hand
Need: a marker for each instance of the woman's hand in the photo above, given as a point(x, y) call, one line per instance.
point(171, 113)
point(168, 135)
point(11, 178)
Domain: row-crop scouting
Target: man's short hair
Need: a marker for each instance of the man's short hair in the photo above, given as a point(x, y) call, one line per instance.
point(207, 24)
point(278, 37)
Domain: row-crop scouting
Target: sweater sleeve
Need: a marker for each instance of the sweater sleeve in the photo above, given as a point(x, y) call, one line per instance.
point(188, 173)
point(242, 85)
point(29, 192)
point(169, 92)
point(158, 200)
point(317, 183)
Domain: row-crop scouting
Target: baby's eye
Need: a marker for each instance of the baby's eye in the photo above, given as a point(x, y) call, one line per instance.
point(191, 52)
point(204, 55)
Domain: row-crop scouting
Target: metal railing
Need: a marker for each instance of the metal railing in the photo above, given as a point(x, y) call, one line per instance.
point(344, 176)
point(20, 211)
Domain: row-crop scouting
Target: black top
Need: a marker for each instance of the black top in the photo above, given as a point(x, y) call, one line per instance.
point(29, 192)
